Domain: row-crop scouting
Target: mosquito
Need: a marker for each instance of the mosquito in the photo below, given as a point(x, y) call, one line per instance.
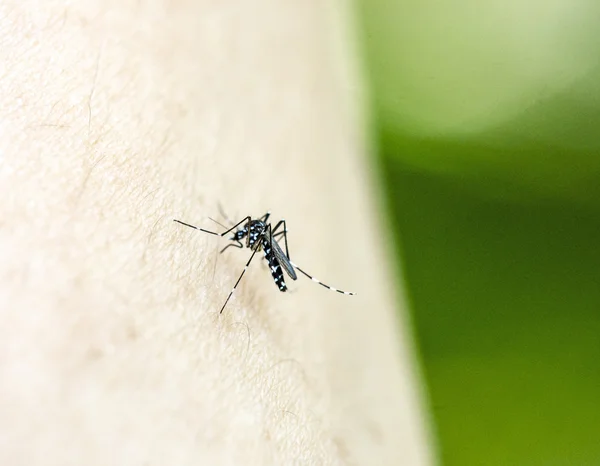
point(259, 235)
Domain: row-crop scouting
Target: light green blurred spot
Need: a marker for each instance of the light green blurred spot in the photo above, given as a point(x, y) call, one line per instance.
point(460, 67)
point(492, 92)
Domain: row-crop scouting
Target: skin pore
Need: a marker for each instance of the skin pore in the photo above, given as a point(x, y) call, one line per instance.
point(118, 117)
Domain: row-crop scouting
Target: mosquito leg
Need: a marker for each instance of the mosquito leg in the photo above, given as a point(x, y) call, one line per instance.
point(244, 220)
point(320, 282)
point(196, 228)
point(238, 280)
point(238, 245)
point(247, 219)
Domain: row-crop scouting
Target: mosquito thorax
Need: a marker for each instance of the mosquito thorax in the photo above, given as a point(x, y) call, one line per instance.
point(256, 229)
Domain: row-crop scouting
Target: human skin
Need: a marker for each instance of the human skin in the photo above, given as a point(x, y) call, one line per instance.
point(118, 117)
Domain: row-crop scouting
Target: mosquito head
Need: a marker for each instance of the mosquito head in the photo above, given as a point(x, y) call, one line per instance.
point(240, 234)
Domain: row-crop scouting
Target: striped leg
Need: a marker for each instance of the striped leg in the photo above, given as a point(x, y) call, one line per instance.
point(196, 228)
point(238, 280)
point(348, 293)
point(245, 220)
point(238, 245)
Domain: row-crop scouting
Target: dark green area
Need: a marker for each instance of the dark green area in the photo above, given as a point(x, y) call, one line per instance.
point(506, 304)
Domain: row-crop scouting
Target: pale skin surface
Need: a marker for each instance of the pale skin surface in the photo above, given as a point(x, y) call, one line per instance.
point(117, 117)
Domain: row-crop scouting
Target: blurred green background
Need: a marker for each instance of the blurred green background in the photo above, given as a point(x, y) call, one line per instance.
point(488, 125)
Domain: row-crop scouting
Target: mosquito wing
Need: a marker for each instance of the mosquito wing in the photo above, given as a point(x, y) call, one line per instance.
point(283, 260)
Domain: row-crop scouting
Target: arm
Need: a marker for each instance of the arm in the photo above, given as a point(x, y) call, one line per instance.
point(117, 120)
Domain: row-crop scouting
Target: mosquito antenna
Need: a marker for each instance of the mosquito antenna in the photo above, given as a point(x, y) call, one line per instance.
point(218, 223)
point(222, 212)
